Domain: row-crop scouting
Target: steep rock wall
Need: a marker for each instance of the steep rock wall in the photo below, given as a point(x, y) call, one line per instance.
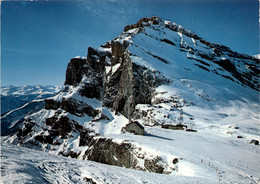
point(130, 84)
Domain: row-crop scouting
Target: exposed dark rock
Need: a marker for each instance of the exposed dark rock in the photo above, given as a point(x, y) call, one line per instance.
point(94, 63)
point(227, 65)
point(107, 45)
point(63, 125)
point(174, 127)
point(52, 104)
point(118, 49)
point(132, 26)
point(130, 85)
point(144, 21)
point(92, 89)
point(85, 137)
point(71, 154)
point(92, 69)
point(168, 41)
point(254, 141)
point(44, 139)
point(202, 62)
point(72, 106)
point(78, 108)
point(89, 180)
point(92, 52)
point(106, 151)
point(159, 58)
point(202, 67)
point(152, 165)
point(205, 42)
point(26, 129)
point(74, 71)
point(175, 161)
point(191, 130)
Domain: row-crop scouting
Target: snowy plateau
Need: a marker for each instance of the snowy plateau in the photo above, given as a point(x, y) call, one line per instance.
point(197, 103)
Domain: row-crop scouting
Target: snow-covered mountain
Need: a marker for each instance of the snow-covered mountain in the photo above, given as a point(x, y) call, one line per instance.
point(17, 102)
point(164, 77)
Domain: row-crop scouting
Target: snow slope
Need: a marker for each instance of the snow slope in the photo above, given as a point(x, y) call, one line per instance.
point(23, 165)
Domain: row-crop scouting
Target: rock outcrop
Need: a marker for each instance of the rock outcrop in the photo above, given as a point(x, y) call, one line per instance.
point(124, 154)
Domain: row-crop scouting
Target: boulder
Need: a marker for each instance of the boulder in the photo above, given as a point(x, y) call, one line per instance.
point(254, 141)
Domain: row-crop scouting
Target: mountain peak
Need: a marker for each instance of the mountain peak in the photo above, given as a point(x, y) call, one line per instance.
point(148, 22)
point(242, 68)
point(144, 22)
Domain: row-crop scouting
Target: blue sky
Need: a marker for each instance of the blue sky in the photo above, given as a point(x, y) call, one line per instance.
point(39, 38)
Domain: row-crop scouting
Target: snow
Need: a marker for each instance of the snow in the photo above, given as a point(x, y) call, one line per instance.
point(133, 31)
point(257, 56)
point(23, 165)
point(116, 125)
point(102, 49)
point(180, 34)
point(193, 40)
point(115, 67)
point(107, 69)
point(167, 22)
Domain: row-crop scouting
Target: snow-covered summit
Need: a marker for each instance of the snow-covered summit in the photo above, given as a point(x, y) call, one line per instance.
point(171, 43)
point(197, 101)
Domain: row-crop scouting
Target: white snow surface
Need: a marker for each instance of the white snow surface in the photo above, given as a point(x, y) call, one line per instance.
point(257, 56)
point(23, 165)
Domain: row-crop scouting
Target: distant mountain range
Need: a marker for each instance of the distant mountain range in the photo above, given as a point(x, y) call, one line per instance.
point(196, 102)
point(17, 102)
point(13, 97)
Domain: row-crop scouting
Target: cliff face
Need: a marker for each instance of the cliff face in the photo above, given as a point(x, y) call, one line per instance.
point(154, 72)
point(130, 84)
